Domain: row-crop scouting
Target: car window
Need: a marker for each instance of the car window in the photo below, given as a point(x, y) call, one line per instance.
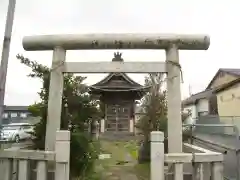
point(11, 127)
point(26, 127)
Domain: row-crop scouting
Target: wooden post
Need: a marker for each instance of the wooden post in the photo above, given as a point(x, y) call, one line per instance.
point(62, 149)
point(97, 129)
point(102, 125)
point(157, 155)
point(55, 98)
point(131, 125)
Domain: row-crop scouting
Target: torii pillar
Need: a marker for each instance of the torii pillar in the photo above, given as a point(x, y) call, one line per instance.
point(171, 43)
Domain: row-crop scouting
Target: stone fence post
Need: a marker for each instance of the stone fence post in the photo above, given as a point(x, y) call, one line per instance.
point(62, 149)
point(157, 155)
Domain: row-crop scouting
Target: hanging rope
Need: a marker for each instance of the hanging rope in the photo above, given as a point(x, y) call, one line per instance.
point(61, 63)
point(179, 66)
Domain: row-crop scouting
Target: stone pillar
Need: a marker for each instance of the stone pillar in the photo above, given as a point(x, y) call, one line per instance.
point(55, 98)
point(174, 101)
point(135, 119)
point(131, 125)
point(97, 129)
point(174, 105)
point(102, 125)
point(157, 155)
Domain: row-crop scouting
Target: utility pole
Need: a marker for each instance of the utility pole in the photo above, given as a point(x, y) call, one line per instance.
point(5, 53)
point(190, 90)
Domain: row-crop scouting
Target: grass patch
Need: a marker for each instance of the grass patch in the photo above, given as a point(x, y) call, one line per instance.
point(117, 152)
point(132, 148)
point(117, 163)
point(142, 171)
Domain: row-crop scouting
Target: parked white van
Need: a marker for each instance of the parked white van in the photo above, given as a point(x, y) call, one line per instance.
point(16, 131)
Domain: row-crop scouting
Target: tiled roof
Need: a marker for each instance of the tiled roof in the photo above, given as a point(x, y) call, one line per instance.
point(234, 72)
point(125, 77)
point(16, 108)
point(227, 85)
point(231, 71)
point(195, 97)
point(208, 92)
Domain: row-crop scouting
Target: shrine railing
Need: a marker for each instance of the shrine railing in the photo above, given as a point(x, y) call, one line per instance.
point(15, 164)
point(204, 164)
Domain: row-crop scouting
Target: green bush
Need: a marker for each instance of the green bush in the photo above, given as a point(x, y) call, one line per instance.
point(84, 152)
point(154, 109)
point(78, 108)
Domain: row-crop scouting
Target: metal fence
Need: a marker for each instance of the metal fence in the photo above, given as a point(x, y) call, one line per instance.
point(219, 134)
point(230, 124)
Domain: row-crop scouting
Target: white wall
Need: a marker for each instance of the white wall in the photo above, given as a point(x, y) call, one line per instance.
point(202, 105)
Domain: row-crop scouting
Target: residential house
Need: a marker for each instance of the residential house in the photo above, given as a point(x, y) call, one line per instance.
point(223, 76)
point(206, 102)
point(228, 98)
point(15, 113)
point(200, 104)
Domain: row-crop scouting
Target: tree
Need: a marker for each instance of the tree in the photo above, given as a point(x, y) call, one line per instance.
point(78, 108)
point(35, 109)
point(154, 108)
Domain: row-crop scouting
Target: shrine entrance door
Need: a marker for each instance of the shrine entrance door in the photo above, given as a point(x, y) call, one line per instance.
point(117, 118)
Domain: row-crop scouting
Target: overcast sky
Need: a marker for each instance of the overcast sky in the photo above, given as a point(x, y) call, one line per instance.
point(219, 19)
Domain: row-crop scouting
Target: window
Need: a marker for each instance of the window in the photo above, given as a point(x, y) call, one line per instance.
point(23, 115)
point(26, 127)
point(11, 127)
point(13, 115)
point(203, 113)
point(5, 115)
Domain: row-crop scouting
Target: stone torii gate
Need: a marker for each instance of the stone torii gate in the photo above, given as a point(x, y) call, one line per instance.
point(171, 43)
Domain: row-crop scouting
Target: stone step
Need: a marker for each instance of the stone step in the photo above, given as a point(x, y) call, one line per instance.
point(117, 136)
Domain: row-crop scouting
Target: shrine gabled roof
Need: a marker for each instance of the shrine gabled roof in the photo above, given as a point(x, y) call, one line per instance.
point(129, 85)
point(117, 81)
point(111, 75)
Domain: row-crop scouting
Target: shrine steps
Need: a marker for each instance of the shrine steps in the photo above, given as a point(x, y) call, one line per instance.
point(118, 136)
